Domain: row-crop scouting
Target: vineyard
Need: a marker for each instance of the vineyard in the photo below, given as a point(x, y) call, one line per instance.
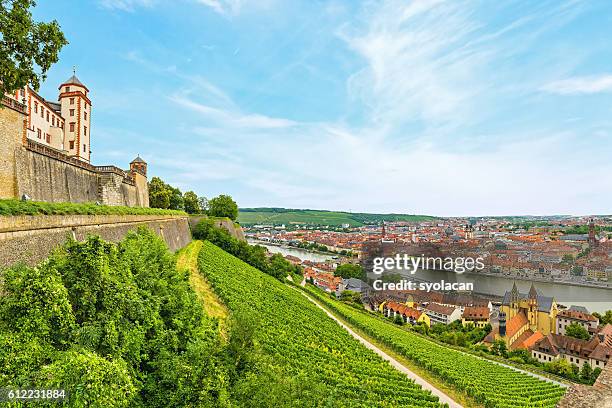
point(300, 341)
point(487, 383)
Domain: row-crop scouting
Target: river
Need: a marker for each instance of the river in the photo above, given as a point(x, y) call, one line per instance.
point(303, 254)
point(594, 299)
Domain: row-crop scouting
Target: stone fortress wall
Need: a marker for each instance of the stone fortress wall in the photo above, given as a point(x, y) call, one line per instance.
point(31, 239)
point(45, 174)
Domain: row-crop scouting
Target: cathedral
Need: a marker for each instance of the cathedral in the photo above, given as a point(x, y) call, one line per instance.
point(524, 318)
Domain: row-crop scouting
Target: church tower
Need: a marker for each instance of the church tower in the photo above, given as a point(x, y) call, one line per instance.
point(533, 307)
point(592, 238)
point(76, 111)
point(514, 296)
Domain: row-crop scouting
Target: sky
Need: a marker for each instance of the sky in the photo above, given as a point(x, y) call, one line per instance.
point(448, 108)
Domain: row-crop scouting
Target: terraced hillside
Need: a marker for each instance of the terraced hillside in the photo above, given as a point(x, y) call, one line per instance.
point(303, 343)
point(490, 384)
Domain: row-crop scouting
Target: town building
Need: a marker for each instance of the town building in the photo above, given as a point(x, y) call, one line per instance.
point(524, 319)
point(408, 314)
point(476, 315)
point(584, 319)
point(595, 352)
point(540, 311)
point(440, 314)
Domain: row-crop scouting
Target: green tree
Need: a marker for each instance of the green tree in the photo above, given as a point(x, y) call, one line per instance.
point(27, 48)
point(577, 331)
point(159, 196)
point(586, 373)
point(223, 206)
point(176, 198)
point(203, 203)
point(350, 271)
point(606, 318)
point(192, 203)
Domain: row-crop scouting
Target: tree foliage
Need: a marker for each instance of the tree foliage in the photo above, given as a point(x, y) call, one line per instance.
point(116, 324)
point(192, 203)
point(27, 48)
point(577, 331)
point(348, 270)
point(223, 206)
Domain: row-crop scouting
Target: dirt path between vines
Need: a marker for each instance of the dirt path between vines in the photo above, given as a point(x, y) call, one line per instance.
point(396, 364)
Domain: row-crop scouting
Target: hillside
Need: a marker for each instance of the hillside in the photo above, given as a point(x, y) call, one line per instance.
point(479, 378)
point(304, 357)
point(250, 216)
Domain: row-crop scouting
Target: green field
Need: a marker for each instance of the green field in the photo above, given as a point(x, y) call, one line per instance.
point(277, 216)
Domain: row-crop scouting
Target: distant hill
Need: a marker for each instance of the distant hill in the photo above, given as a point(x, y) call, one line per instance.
point(250, 216)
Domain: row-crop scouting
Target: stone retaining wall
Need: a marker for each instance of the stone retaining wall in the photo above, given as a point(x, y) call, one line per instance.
point(30, 239)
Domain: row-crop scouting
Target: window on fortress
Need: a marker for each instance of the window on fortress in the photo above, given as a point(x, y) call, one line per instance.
point(71, 112)
point(72, 126)
point(71, 145)
point(84, 148)
point(48, 138)
point(39, 133)
point(72, 101)
point(42, 112)
point(47, 116)
point(52, 120)
point(85, 113)
point(84, 130)
point(67, 89)
point(35, 107)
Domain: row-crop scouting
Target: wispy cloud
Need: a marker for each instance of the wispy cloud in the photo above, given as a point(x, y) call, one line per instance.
point(233, 119)
point(230, 8)
point(126, 5)
point(224, 7)
point(580, 85)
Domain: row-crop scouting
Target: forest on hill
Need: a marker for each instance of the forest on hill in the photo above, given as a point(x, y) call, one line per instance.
point(278, 216)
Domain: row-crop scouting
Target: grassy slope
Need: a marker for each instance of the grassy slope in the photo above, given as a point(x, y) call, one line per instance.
point(320, 217)
point(187, 258)
point(17, 207)
point(305, 343)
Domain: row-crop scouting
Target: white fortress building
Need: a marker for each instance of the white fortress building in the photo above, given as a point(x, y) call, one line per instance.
point(64, 125)
point(45, 152)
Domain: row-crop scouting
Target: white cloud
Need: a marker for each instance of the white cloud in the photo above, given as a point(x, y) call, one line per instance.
point(580, 85)
point(233, 119)
point(235, 7)
point(125, 5)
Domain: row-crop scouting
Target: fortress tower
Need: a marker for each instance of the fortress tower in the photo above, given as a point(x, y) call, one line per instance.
point(76, 111)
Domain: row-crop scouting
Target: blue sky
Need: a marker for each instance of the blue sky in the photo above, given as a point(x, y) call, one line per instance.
point(428, 107)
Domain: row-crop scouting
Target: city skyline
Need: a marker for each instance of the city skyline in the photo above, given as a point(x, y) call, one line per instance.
point(438, 108)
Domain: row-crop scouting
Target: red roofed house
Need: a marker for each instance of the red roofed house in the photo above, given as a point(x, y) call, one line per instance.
point(442, 314)
point(409, 314)
point(567, 317)
point(476, 315)
point(596, 352)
